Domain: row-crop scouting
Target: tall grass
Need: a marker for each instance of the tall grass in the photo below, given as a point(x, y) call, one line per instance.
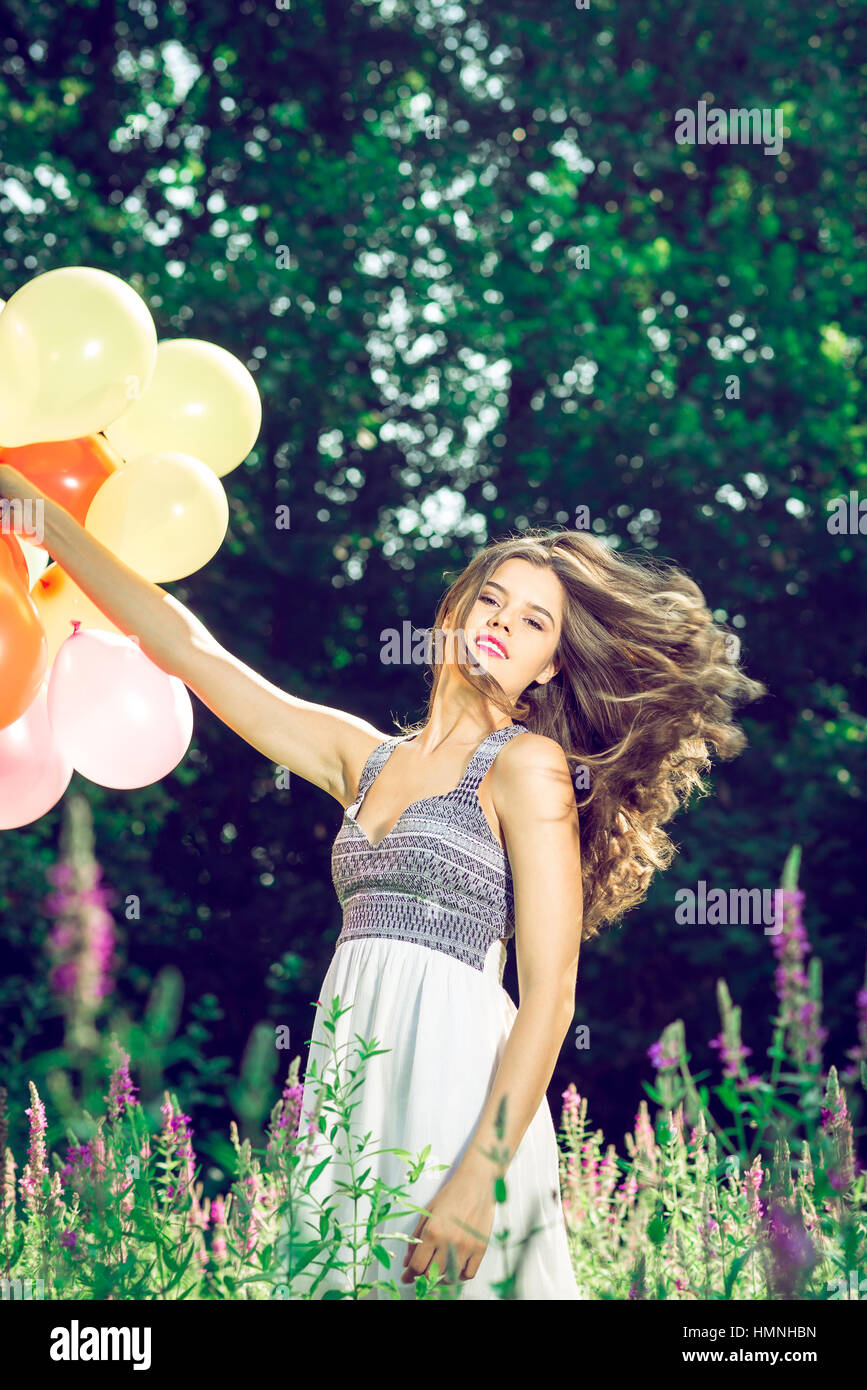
point(770, 1205)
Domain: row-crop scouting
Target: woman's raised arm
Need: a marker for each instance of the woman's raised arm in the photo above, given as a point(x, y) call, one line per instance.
point(325, 746)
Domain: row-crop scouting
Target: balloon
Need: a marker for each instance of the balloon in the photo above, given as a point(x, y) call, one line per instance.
point(164, 515)
point(27, 561)
point(23, 650)
point(59, 602)
point(77, 346)
point(12, 561)
point(37, 561)
point(33, 773)
point(201, 401)
point(116, 716)
point(69, 471)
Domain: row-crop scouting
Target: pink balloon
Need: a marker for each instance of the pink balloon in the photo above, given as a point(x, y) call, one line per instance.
point(33, 772)
point(119, 719)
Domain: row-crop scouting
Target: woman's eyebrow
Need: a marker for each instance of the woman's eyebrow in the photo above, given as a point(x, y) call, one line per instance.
point(538, 607)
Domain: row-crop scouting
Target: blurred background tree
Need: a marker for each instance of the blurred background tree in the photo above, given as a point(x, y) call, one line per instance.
point(381, 209)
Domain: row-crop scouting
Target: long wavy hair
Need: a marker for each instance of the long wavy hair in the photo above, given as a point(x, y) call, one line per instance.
point(646, 686)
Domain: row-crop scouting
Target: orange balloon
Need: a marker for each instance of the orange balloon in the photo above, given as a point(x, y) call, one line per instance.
point(69, 471)
point(23, 651)
point(12, 560)
point(59, 602)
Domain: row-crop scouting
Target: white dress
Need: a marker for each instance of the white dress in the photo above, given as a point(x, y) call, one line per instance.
point(427, 913)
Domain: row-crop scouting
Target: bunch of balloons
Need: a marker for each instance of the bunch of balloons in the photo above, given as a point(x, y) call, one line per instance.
point(131, 437)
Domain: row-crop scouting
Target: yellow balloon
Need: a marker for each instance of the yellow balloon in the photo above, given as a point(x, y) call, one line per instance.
point(201, 401)
point(58, 601)
point(77, 347)
point(165, 515)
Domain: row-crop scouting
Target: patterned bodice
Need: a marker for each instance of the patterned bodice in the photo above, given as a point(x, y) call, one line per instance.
point(439, 877)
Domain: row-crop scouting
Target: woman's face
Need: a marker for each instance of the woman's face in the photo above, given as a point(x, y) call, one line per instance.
point(513, 628)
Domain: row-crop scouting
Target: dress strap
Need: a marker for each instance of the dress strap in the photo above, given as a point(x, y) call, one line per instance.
point(472, 778)
point(487, 752)
point(376, 761)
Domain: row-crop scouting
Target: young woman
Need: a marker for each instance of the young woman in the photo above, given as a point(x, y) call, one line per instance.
point(575, 694)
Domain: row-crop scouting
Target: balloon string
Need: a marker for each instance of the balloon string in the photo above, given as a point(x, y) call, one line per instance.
point(76, 624)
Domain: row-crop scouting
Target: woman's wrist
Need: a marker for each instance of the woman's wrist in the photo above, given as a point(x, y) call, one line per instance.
point(15, 486)
point(51, 523)
point(23, 506)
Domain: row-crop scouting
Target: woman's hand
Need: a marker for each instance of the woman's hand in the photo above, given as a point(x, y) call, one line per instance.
point(466, 1200)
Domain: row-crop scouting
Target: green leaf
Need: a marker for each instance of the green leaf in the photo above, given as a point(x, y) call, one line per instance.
point(314, 1174)
point(656, 1231)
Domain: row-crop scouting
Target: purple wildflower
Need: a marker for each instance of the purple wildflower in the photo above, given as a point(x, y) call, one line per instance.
point(61, 875)
point(660, 1059)
point(120, 1090)
point(837, 1127)
point(798, 1012)
point(9, 1166)
point(218, 1222)
point(571, 1113)
point(644, 1137)
point(31, 1181)
point(858, 1053)
point(79, 1157)
point(290, 1112)
point(250, 1191)
point(80, 944)
point(178, 1137)
point(790, 1248)
point(751, 1186)
point(732, 1053)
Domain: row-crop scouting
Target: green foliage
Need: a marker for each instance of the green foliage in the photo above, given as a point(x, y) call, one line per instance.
point(129, 1221)
point(699, 1209)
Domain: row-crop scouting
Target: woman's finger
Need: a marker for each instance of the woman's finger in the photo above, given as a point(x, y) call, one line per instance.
point(471, 1268)
point(411, 1248)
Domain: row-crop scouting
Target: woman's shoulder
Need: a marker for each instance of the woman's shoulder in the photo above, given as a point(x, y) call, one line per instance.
point(532, 751)
point(531, 773)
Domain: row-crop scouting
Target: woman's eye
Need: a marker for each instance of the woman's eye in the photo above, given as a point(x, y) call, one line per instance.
point(488, 598)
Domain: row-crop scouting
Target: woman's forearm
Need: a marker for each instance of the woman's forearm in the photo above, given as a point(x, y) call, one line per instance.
point(522, 1079)
point(165, 629)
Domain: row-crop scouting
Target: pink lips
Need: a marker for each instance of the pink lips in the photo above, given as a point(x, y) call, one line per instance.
point(491, 644)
